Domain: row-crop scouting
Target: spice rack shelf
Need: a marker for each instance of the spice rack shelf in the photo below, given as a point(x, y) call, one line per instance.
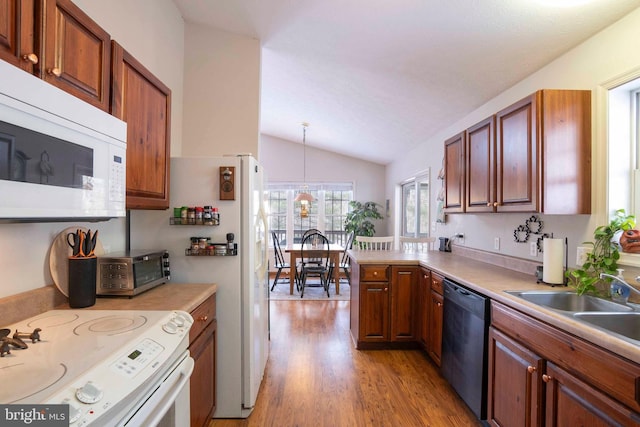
point(209, 252)
point(180, 221)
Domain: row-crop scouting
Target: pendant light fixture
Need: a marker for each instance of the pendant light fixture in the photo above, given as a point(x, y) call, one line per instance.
point(304, 197)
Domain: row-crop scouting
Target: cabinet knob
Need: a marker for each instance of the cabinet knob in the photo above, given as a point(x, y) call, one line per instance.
point(439, 304)
point(203, 318)
point(55, 71)
point(375, 273)
point(546, 378)
point(531, 369)
point(489, 204)
point(31, 57)
point(495, 204)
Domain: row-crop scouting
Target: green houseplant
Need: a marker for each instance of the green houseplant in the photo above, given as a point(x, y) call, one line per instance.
point(604, 254)
point(358, 220)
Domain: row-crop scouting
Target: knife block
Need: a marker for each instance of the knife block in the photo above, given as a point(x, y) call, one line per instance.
point(82, 282)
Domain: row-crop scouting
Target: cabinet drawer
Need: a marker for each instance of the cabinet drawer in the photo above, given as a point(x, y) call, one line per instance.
point(436, 283)
point(203, 315)
point(374, 273)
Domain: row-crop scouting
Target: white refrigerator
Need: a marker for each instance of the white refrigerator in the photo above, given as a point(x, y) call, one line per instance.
point(242, 296)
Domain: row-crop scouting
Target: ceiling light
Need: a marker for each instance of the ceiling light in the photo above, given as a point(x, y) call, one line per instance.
point(304, 197)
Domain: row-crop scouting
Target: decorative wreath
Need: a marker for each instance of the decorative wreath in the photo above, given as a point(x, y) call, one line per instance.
point(540, 239)
point(534, 224)
point(521, 234)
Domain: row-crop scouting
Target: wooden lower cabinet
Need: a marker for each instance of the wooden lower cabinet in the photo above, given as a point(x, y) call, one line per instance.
point(384, 305)
point(423, 307)
point(202, 347)
point(540, 375)
point(436, 317)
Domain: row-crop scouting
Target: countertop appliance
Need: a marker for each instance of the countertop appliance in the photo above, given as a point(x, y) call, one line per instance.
point(112, 367)
point(60, 157)
point(129, 273)
point(464, 345)
point(242, 279)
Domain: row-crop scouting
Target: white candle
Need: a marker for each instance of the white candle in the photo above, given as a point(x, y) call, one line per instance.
point(552, 261)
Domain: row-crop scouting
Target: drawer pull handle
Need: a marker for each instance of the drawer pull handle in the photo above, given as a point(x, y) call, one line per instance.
point(203, 318)
point(31, 57)
point(546, 378)
point(55, 71)
point(531, 369)
point(375, 273)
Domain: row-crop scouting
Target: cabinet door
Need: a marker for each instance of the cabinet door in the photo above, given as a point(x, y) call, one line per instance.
point(203, 380)
point(425, 298)
point(76, 53)
point(436, 315)
point(404, 286)
point(374, 311)
point(144, 102)
point(480, 169)
point(454, 174)
point(517, 172)
point(570, 402)
point(17, 26)
point(514, 378)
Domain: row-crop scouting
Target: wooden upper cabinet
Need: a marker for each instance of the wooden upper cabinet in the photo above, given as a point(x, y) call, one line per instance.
point(517, 157)
point(144, 102)
point(454, 174)
point(17, 33)
point(543, 154)
point(76, 53)
point(480, 169)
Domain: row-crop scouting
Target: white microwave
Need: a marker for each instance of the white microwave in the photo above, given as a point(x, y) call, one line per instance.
point(60, 157)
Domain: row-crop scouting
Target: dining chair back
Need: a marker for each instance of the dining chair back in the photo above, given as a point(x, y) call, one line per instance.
point(345, 261)
point(315, 261)
point(417, 244)
point(365, 243)
point(280, 263)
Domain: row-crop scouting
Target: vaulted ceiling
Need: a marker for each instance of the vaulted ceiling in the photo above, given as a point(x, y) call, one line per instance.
point(378, 77)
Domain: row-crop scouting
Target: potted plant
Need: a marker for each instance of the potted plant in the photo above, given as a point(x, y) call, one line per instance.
point(358, 219)
point(604, 254)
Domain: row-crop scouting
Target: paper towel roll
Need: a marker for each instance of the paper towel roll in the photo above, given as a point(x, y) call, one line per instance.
point(553, 261)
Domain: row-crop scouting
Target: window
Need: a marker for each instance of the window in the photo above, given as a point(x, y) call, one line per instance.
point(327, 212)
point(415, 207)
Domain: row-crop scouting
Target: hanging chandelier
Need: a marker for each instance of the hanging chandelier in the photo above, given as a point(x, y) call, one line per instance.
point(304, 197)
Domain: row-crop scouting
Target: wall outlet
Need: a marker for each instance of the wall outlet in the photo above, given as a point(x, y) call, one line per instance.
point(533, 249)
point(581, 255)
point(459, 238)
point(496, 243)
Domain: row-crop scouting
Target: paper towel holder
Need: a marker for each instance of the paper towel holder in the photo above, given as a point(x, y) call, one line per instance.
point(539, 268)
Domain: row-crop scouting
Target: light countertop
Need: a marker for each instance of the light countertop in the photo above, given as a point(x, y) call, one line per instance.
point(169, 296)
point(492, 281)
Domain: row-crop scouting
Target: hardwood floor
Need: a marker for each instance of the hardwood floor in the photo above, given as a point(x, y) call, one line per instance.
point(315, 377)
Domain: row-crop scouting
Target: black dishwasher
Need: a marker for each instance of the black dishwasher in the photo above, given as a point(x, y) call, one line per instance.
point(464, 345)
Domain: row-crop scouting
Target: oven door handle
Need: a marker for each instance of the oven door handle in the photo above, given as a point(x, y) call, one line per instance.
point(159, 403)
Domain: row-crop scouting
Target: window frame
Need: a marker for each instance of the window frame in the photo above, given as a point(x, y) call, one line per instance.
point(422, 206)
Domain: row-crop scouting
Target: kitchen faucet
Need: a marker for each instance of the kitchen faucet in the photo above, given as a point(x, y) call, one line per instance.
point(620, 289)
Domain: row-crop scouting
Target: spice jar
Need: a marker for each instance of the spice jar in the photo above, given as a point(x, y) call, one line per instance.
point(203, 242)
point(207, 215)
point(216, 217)
point(199, 214)
point(191, 215)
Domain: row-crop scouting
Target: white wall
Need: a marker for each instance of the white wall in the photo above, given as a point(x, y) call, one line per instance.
point(612, 52)
point(152, 31)
point(221, 93)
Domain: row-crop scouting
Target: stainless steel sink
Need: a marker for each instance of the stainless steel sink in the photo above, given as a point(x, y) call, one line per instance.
point(570, 301)
point(625, 324)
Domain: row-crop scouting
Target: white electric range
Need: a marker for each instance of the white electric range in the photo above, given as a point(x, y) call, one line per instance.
point(112, 367)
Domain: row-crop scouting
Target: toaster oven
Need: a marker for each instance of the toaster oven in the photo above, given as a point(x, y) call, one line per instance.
point(131, 272)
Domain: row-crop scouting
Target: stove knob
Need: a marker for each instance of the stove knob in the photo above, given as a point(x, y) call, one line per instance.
point(89, 393)
point(74, 412)
point(170, 327)
point(178, 320)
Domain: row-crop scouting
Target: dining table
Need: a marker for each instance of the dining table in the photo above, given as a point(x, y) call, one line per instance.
point(295, 252)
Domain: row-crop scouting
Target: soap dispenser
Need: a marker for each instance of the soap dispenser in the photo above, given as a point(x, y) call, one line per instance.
point(619, 292)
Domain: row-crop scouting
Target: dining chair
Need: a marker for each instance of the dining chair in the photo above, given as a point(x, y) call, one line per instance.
point(280, 263)
point(417, 244)
point(365, 243)
point(315, 260)
point(345, 261)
